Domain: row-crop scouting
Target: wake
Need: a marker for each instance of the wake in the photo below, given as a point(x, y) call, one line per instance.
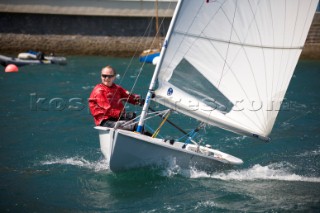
point(256, 172)
point(279, 171)
point(100, 165)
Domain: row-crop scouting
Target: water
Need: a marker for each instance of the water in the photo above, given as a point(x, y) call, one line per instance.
point(50, 159)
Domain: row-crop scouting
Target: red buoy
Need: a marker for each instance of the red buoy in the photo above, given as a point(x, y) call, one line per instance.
point(11, 68)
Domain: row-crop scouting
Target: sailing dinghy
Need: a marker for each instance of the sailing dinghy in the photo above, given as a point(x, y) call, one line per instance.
point(226, 63)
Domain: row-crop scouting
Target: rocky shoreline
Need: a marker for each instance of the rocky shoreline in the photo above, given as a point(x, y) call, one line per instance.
point(117, 46)
point(75, 44)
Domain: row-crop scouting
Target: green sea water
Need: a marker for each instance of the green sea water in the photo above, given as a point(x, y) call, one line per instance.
point(50, 159)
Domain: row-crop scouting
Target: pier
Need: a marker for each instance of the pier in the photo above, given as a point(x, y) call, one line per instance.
point(95, 27)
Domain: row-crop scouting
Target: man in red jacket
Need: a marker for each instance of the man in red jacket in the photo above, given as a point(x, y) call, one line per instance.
point(106, 101)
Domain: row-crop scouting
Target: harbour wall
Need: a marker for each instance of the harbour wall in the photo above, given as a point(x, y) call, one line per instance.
point(311, 49)
point(88, 34)
point(78, 35)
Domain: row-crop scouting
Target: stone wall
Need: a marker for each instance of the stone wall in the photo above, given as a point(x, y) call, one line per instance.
point(78, 35)
point(97, 35)
point(311, 49)
point(49, 24)
point(75, 44)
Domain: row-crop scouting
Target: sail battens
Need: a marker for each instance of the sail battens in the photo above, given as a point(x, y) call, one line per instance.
point(239, 43)
point(246, 51)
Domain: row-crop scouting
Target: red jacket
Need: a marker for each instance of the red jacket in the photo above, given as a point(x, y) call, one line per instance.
point(107, 102)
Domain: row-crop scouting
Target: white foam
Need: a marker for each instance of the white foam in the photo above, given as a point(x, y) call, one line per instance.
point(207, 203)
point(256, 172)
point(269, 172)
point(99, 165)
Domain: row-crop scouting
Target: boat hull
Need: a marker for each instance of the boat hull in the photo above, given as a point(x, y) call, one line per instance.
point(149, 58)
point(128, 150)
point(5, 60)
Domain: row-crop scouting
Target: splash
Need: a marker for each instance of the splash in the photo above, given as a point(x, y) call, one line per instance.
point(258, 172)
point(278, 171)
point(99, 165)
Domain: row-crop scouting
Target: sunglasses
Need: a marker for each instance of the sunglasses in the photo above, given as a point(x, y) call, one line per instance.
point(107, 76)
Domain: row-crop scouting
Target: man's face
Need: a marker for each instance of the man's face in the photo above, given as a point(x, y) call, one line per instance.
point(107, 76)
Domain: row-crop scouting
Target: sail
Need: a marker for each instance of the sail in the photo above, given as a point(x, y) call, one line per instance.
point(229, 62)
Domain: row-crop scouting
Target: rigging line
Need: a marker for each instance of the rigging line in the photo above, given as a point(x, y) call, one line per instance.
point(162, 23)
point(127, 68)
point(143, 64)
point(141, 41)
point(132, 58)
point(155, 38)
point(170, 122)
point(161, 124)
point(160, 26)
point(155, 114)
point(129, 65)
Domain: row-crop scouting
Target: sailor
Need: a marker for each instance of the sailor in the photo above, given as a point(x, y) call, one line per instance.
point(107, 99)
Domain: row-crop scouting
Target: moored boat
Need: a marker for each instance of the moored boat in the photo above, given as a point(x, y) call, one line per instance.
point(31, 58)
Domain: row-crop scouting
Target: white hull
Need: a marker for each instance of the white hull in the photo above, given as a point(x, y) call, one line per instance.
point(127, 150)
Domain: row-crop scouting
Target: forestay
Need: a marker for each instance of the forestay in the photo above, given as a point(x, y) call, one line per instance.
point(229, 62)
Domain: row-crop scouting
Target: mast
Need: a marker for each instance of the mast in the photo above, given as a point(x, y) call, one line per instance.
point(157, 24)
point(157, 69)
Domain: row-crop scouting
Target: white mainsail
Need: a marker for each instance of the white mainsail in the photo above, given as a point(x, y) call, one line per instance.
point(229, 62)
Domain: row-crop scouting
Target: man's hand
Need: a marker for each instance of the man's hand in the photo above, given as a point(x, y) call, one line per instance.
point(141, 102)
point(128, 116)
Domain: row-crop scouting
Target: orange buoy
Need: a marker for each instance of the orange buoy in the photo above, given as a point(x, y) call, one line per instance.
point(11, 68)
